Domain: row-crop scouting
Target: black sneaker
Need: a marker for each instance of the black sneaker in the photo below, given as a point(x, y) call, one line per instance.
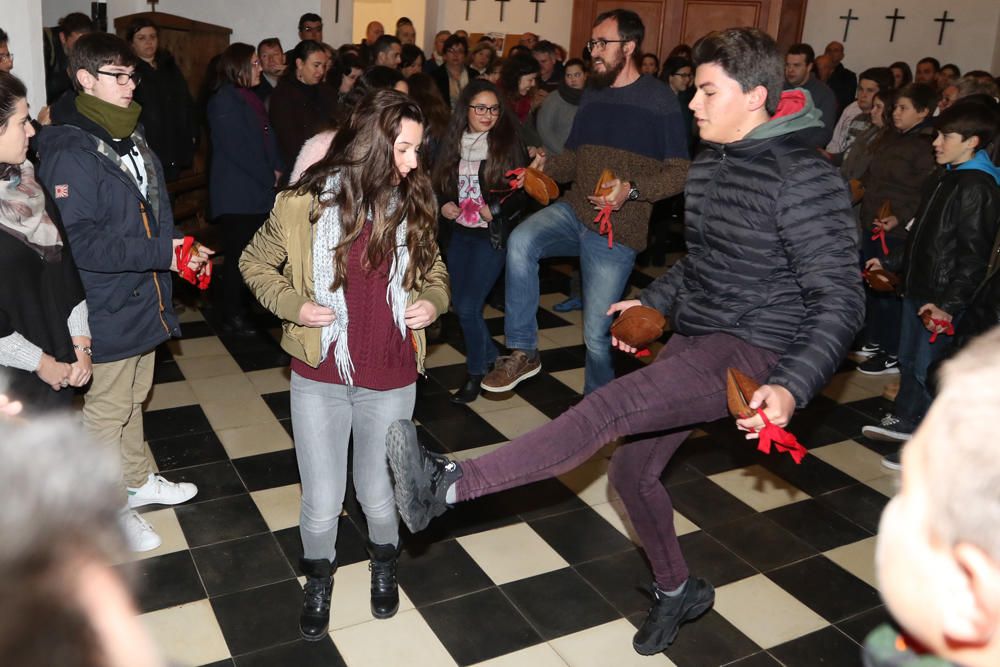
point(422, 478)
point(868, 350)
point(890, 429)
point(667, 614)
point(880, 364)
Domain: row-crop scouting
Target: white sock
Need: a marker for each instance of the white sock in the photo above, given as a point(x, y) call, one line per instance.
point(674, 593)
point(451, 496)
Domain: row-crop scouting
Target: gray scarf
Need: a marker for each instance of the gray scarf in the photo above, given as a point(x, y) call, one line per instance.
point(325, 240)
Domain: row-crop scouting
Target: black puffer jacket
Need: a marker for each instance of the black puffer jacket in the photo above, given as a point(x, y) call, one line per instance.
point(168, 118)
point(947, 249)
point(772, 255)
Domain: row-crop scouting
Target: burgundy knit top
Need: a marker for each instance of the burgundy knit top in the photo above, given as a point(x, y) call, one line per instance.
point(383, 359)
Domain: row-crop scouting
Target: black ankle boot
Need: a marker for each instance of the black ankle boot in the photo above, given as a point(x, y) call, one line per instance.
point(385, 591)
point(469, 391)
point(315, 617)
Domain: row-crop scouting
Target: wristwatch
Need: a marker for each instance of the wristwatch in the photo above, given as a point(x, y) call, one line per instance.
point(85, 350)
point(633, 191)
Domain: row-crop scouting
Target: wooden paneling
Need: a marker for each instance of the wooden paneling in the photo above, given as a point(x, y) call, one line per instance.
point(671, 22)
point(700, 17)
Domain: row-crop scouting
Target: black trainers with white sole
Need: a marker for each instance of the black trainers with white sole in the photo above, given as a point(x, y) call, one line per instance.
point(880, 364)
point(890, 429)
point(421, 478)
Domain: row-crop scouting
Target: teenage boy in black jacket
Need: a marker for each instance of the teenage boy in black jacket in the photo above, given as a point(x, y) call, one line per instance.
point(945, 259)
point(110, 191)
point(770, 285)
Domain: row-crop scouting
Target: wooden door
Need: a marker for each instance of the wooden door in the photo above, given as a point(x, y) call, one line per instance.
point(672, 22)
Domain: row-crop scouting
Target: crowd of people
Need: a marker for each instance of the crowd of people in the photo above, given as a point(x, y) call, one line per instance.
point(362, 191)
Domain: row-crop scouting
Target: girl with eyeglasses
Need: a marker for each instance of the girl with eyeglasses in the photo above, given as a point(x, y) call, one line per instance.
point(480, 146)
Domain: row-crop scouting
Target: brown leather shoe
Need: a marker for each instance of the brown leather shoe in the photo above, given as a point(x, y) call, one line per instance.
point(508, 371)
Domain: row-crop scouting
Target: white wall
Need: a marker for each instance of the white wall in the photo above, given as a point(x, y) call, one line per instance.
point(22, 19)
point(387, 12)
point(555, 18)
point(971, 42)
point(53, 10)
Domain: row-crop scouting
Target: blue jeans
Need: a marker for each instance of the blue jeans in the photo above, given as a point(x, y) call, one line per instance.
point(555, 231)
point(882, 313)
point(473, 266)
point(324, 416)
point(916, 355)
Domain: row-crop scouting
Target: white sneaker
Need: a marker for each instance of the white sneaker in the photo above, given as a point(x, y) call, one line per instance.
point(139, 535)
point(158, 491)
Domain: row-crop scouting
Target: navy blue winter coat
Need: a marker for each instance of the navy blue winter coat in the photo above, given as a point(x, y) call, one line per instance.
point(244, 159)
point(122, 243)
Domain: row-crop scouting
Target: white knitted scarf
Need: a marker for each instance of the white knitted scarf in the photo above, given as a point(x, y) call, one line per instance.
point(325, 240)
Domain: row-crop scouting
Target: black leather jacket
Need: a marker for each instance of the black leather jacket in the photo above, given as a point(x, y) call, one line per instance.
point(948, 248)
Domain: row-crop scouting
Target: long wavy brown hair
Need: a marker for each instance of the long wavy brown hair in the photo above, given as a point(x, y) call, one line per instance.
point(362, 152)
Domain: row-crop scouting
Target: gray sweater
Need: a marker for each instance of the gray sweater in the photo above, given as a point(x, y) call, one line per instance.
point(554, 121)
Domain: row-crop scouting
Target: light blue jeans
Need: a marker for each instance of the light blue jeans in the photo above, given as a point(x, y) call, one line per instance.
point(324, 416)
point(555, 231)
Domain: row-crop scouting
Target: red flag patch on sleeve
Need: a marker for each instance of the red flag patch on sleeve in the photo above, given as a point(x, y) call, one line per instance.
point(62, 191)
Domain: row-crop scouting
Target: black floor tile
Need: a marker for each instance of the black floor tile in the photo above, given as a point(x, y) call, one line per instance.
point(280, 403)
point(466, 430)
point(167, 371)
point(678, 472)
point(214, 481)
point(260, 617)
point(826, 588)
point(187, 450)
point(549, 320)
point(174, 422)
point(828, 647)
point(220, 520)
point(858, 627)
point(707, 558)
point(559, 603)
point(266, 471)
point(298, 653)
point(761, 659)
point(817, 525)
point(719, 451)
point(761, 542)
point(706, 503)
point(581, 535)
point(873, 408)
point(540, 499)
point(165, 581)
point(624, 580)
point(429, 441)
point(447, 377)
point(260, 360)
point(710, 641)
point(563, 358)
point(228, 662)
point(287, 425)
point(350, 545)
point(813, 475)
point(437, 406)
point(196, 330)
point(439, 572)
point(237, 565)
point(545, 389)
point(860, 503)
point(479, 626)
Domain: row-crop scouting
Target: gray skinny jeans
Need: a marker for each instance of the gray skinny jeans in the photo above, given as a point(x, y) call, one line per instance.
point(323, 417)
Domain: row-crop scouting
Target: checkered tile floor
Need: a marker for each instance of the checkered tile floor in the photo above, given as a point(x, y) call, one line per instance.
point(543, 576)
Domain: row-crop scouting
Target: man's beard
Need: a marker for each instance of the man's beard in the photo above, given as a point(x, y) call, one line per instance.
point(598, 80)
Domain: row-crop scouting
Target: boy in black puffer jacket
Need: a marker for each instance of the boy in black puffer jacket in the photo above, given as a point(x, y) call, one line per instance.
point(945, 259)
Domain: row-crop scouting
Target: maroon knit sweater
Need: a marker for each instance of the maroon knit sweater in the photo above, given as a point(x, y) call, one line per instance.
point(383, 359)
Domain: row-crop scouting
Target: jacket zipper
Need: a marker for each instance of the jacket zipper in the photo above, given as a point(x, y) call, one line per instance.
point(156, 283)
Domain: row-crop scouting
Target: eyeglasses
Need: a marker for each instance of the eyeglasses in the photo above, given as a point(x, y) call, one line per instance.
point(122, 78)
point(595, 44)
point(6, 56)
point(255, 63)
point(457, 49)
point(482, 109)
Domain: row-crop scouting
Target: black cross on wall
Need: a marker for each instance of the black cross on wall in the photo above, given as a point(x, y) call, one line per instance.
point(503, 3)
point(468, 4)
point(895, 17)
point(847, 22)
point(944, 21)
point(537, 3)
